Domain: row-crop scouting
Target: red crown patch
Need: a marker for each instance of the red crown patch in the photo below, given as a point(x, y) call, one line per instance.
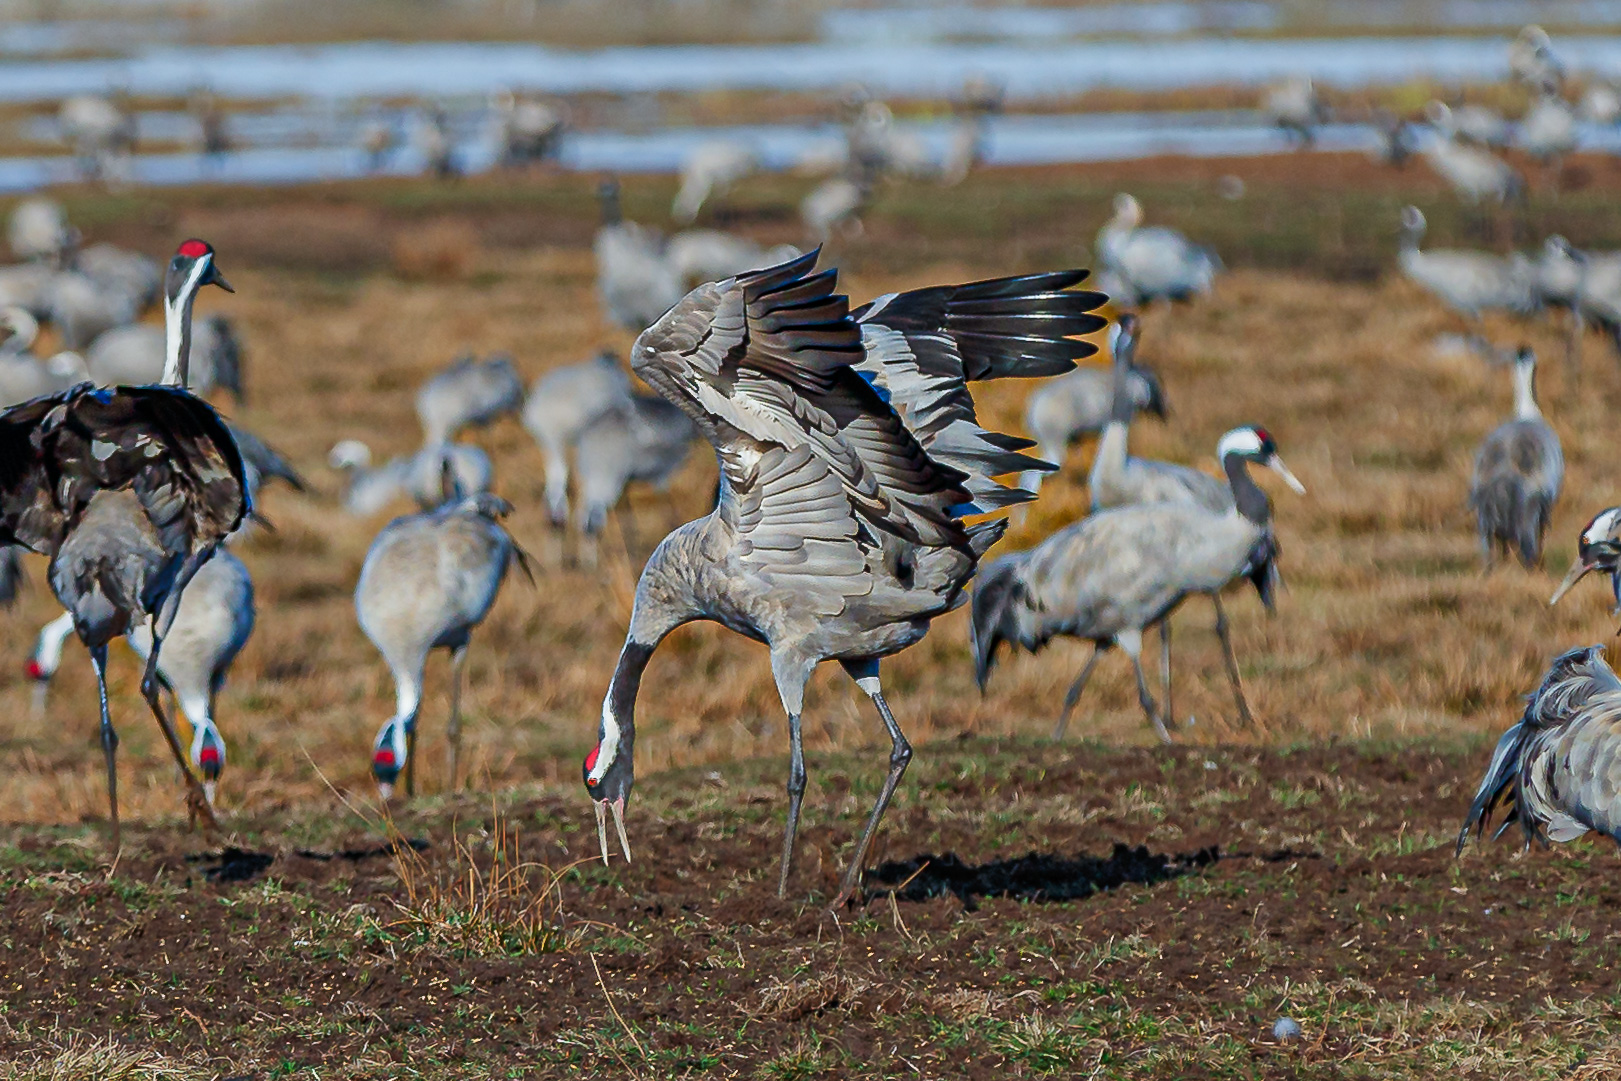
point(194, 249)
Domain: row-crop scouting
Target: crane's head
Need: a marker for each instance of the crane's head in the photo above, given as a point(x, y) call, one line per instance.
point(1255, 444)
point(609, 777)
point(609, 769)
point(1598, 549)
point(191, 268)
point(389, 752)
point(208, 755)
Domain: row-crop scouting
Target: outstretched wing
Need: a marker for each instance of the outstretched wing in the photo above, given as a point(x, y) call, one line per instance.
point(925, 346)
point(165, 444)
point(765, 361)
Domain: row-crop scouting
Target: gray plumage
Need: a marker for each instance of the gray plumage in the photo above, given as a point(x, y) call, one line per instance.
point(834, 204)
point(706, 255)
point(134, 355)
point(1119, 571)
point(635, 283)
point(645, 441)
point(561, 405)
point(428, 580)
point(1153, 263)
point(1558, 772)
point(1294, 106)
point(1476, 174)
point(1468, 282)
point(82, 308)
point(1062, 411)
point(1479, 124)
point(23, 375)
point(849, 452)
point(1116, 478)
point(708, 173)
point(1532, 60)
point(100, 131)
point(1548, 129)
point(130, 272)
point(470, 393)
point(38, 229)
point(528, 130)
point(1518, 472)
point(418, 476)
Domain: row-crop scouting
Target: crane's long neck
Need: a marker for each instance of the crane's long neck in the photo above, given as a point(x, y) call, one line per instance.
point(1251, 502)
point(1525, 391)
point(177, 337)
point(48, 648)
point(616, 734)
point(1110, 461)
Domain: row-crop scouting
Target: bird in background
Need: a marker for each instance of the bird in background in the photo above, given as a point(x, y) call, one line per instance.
point(428, 581)
point(1519, 470)
point(850, 453)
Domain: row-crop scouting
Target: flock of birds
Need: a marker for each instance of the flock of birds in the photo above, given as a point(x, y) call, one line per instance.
point(857, 496)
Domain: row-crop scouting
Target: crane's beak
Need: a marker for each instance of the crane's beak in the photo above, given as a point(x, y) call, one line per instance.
point(618, 808)
point(1276, 465)
point(214, 277)
point(1578, 570)
point(385, 790)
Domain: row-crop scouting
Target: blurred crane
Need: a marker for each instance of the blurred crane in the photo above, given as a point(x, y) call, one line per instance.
point(1518, 472)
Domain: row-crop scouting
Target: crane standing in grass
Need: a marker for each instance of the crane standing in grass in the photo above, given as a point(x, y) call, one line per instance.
point(1518, 472)
point(429, 579)
point(1116, 573)
point(129, 491)
point(849, 453)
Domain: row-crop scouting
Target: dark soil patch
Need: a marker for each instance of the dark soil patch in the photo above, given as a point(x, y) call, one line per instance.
point(1035, 877)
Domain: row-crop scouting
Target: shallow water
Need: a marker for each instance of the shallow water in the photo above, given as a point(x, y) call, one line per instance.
point(1029, 70)
point(305, 146)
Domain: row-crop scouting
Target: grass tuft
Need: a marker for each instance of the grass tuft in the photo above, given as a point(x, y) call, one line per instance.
point(497, 905)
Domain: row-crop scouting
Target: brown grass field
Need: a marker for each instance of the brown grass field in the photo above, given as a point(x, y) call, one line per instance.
point(1389, 664)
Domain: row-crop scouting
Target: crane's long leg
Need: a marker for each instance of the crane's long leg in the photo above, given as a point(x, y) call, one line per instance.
point(453, 732)
point(164, 619)
point(1573, 348)
point(1165, 667)
point(796, 796)
point(197, 803)
point(791, 673)
point(1231, 659)
point(109, 739)
point(1075, 689)
point(1132, 642)
point(900, 754)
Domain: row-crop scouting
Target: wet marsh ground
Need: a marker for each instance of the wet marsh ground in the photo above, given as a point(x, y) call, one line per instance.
point(1390, 665)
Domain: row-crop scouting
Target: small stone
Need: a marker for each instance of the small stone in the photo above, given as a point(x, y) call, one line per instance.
point(1286, 1028)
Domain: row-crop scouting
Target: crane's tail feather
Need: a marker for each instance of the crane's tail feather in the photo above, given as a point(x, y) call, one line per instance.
point(1501, 783)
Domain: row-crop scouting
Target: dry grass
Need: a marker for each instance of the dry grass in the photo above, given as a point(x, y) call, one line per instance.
point(100, 1059)
point(1387, 625)
point(488, 900)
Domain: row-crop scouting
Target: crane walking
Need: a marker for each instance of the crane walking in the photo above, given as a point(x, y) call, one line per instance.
point(128, 491)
